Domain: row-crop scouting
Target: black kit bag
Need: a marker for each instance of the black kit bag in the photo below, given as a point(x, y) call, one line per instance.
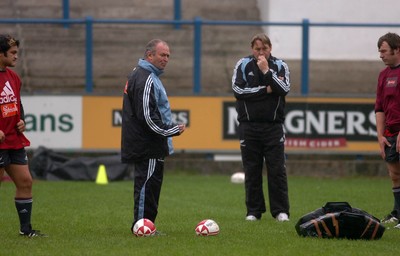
point(340, 220)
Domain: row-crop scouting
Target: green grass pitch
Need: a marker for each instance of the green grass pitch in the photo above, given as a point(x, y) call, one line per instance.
point(84, 218)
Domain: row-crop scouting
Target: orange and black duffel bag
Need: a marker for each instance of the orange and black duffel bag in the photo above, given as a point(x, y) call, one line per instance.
point(340, 220)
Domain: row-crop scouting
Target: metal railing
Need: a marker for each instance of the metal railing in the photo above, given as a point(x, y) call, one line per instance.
point(197, 24)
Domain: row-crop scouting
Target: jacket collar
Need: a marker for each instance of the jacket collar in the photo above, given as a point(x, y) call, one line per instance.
point(150, 67)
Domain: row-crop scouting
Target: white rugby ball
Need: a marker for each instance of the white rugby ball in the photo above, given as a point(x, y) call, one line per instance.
point(237, 177)
point(207, 227)
point(144, 227)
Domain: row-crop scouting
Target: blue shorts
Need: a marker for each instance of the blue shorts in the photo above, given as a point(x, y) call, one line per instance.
point(391, 156)
point(13, 156)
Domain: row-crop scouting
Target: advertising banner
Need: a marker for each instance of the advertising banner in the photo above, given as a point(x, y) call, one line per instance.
point(53, 121)
point(341, 125)
point(312, 125)
point(331, 125)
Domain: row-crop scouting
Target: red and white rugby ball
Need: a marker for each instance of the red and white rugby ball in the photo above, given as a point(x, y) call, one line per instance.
point(144, 227)
point(207, 228)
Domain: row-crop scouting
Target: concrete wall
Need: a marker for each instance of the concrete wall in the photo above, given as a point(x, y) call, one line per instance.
point(52, 58)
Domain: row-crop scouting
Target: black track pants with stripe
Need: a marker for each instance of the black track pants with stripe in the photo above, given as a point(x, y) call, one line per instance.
point(148, 179)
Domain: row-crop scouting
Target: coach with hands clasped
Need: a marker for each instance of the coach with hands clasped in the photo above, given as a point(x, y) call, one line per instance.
point(147, 128)
point(260, 83)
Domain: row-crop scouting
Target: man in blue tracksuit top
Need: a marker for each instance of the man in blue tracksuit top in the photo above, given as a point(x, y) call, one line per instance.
point(260, 83)
point(147, 128)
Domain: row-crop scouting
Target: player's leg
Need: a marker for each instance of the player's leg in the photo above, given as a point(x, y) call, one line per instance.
point(277, 180)
point(22, 179)
point(253, 160)
point(23, 195)
point(153, 190)
point(3, 162)
point(148, 178)
point(393, 165)
point(18, 171)
point(139, 180)
point(394, 173)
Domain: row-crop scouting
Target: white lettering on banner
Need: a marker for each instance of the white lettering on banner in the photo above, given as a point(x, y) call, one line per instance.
point(232, 121)
point(335, 121)
point(372, 120)
point(295, 122)
point(329, 123)
point(315, 143)
point(117, 117)
point(180, 117)
point(355, 123)
point(317, 123)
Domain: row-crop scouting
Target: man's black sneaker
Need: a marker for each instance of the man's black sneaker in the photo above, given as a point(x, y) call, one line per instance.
point(32, 233)
point(389, 219)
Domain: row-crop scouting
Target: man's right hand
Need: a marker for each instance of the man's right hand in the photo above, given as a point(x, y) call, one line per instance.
point(182, 128)
point(383, 142)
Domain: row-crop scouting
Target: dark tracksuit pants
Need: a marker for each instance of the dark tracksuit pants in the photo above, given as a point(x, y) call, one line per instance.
point(148, 177)
point(264, 142)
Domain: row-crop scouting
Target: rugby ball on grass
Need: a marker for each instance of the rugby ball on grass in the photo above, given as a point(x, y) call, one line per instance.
point(144, 227)
point(237, 177)
point(207, 228)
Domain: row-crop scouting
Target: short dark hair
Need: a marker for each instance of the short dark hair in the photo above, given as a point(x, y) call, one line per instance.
point(6, 42)
point(263, 38)
point(392, 39)
point(151, 46)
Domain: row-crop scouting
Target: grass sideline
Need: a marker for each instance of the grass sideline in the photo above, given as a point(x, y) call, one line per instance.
point(84, 218)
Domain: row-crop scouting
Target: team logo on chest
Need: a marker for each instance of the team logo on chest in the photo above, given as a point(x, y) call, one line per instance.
point(8, 101)
point(7, 95)
point(391, 82)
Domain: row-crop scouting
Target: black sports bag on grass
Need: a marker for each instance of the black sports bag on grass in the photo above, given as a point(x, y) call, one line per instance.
point(340, 220)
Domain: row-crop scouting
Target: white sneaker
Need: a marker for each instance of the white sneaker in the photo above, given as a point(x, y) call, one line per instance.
point(251, 218)
point(282, 217)
point(397, 226)
point(389, 219)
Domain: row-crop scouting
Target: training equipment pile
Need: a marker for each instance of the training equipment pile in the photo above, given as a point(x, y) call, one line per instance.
point(340, 220)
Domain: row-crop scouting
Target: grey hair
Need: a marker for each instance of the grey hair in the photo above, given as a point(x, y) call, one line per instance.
point(151, 46)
